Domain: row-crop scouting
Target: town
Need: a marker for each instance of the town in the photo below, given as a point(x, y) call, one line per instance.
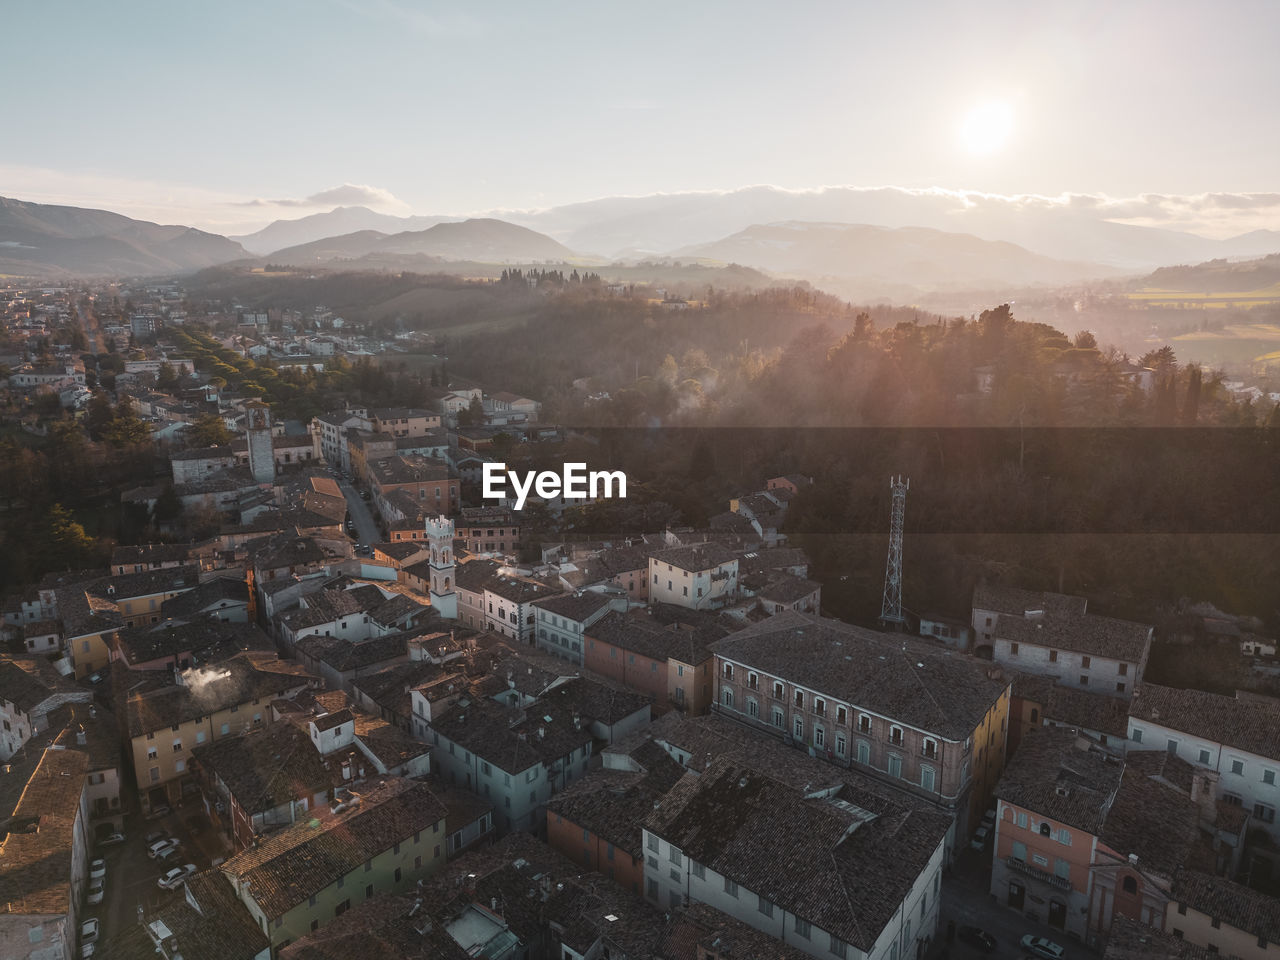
point(327, 686)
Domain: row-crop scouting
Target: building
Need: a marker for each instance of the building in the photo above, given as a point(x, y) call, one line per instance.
point(1223, 918)
point(1237, 738)
point(166, 719)
point(381, 839)
point(488, 530)
point(30, 690)
point(1051, 634)
point(206, 923)
point(1075, 834)
point(44, 860)
point(844, 873)
point(700, 576)
point(929, 721)
point(515, 763)
point(427, 481)
point(562, 621)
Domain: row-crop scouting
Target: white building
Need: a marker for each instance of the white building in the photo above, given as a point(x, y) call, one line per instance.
point(701, 576)
point(1239, 737)
point(836, 873)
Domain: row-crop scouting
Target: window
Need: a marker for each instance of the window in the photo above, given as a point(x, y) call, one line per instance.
point(1136, 736)
point(777, 691)
point(1269, 777)
point(753, 681)
point(1204, 755)
point(155, 774)
point(753, 707)
point(728, 697)
point(798, 728)
point(1063, 837)
point(864, 752)
point(653, 842)
point(1053, 656)
point(802, 928)
point(840, 744)
point(1123, 670)
point(778, 717)
point(700, 871)
point(800, 699)
point(895, 736)
point(1130, 885)
point(864, 724)
point(1264, 812)
point(728, 671)
point(1171, 745)
point(1045, 829)
point(838, 948)
point(312, 901)
point(930, 748)
point(1020, 819)
point(1237, 767)
point(926, 777)
point(895, 765)
point(1084, 680)
point(674, 856)
point(151, 753)
point(842, 715)
point(730, 887)
point(1013, 649)
point(1019, 851)
point(765, 907)
point(1120, 687)
point(1084, 663)
point(820, 706)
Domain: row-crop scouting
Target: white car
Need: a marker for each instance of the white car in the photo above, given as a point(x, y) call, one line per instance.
point(89, 930)
point(1042, 947)
point(162, 847)
point(97, 890)
point(97, 869)
point(176, 877)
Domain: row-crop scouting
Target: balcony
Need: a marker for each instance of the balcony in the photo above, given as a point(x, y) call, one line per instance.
point(1035, 873)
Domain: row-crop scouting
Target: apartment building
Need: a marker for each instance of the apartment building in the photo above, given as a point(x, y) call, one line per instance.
point(700, 576)
point(928, 721)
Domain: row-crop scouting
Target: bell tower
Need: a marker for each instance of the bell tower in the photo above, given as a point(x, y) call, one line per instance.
point(440, 538)
point(262, 456)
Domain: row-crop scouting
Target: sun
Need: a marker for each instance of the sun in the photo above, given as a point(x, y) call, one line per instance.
point(986, 128)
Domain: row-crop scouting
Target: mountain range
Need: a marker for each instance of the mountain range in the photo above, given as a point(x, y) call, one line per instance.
point(882, 243)
point(49, 240)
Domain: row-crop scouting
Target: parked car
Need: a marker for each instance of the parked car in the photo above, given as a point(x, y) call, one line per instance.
point(89, 930)
point(979, 838)
point(1041, 947)
point(977, 937)
point(168, 855)
point(176, 877)
point(111, 839)
point(97, 869)
point(162, 848)
point(86, 950)
point(97, 890)
point(158, 812)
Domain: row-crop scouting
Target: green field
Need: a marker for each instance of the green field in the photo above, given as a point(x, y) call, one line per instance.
point(1236, 343)
point(1157, 297)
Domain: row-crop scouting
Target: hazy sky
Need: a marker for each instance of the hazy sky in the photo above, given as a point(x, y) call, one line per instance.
point(186, 113)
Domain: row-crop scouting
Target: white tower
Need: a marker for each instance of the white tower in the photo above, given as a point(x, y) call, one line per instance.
point(262, 456)
point(440, 537)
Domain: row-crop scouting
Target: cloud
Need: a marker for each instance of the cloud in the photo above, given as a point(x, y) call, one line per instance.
point(347, 195)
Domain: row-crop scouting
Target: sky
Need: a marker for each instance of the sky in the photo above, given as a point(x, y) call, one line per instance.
point(230, 115)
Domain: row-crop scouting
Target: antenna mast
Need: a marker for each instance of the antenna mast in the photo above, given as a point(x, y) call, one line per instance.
point(891, 606)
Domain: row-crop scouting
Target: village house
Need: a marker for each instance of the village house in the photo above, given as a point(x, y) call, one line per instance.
point(1224, 918)
point(1236, 737)
point(488, 530)
point(427, 481)
point(563, 620)
point(699, 576)
point(1052, 634)
point(384, 838)
point(30, 690)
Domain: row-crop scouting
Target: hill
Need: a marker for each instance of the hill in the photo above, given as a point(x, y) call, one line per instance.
point(867, 261)
point(1217, 276)
point(44, 239)
point(481, 240)
point(334, 223)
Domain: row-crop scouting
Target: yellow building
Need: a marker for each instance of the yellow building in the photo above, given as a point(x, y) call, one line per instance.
point(1223, 917)
point(380, 840)
point(219, 700)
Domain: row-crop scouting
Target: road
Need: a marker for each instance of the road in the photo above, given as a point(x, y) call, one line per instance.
point(966, 900)
point(366, 528)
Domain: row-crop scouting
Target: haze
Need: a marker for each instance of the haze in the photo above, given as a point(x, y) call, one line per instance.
point(228, 121)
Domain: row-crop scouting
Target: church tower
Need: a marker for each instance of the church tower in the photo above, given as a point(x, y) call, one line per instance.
point(262, 455)
point(440, 537)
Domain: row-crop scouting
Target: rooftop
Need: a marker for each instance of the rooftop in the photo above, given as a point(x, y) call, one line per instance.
point(915, 683)
point(1097, 636)
point(35, 858)
point(1245, 724)
point(290, 866)
point(1019, 602)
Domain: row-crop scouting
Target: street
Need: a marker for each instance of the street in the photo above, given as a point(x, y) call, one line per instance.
point(966, 901)
point(366, 528)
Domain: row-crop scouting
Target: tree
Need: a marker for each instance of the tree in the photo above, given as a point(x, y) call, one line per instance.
point(99, 415)
point(1085, 340)
point(1191, 405)
point(473, 416)
point(209, 430)
point(68, 543)
point(166, 377)
point(127, 428)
